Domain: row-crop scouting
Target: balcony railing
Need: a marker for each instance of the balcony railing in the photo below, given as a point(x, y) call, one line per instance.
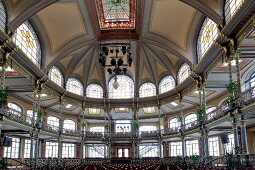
point(247, 97)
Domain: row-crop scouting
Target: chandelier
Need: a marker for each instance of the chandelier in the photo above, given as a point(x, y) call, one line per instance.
point(115, 58)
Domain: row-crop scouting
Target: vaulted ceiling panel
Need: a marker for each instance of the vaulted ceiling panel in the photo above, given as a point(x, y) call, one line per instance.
point(62, 22)
point(172, 19)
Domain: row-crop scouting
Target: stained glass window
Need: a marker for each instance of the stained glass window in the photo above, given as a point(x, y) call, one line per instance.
point(53, 122)
point(231, 7)
point(192, 147)
point(125, 89)
point(174, 123)
point(116, 10)
point(2, 17)
point(207, 35)
point(213, 144)
point(26, 39)
point(13, 151)
point(69, 125)
point(94, 91)
point(166, 84)
point(183, 72)
point(51, 149)
point(147, 89)
point(175, 148)
point(68, 150)
point(74, 85)
point(116, 13)
point(56, 76)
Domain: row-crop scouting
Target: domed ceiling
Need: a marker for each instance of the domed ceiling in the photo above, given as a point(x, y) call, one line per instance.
point(72, 30)
point(162, 33)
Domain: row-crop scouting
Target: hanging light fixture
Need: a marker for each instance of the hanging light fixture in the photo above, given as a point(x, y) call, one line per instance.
point(115, 83)
point(115, 58)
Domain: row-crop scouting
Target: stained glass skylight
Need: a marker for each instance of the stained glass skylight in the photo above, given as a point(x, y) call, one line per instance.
point(116, 13)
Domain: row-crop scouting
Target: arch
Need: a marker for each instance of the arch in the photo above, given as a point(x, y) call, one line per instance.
point(190, 118)
point(174, 123)
point(53, 122)
point(73, 85)
point(252, 80)
point(147, 89)
point(3, 17)
point(231, 7)
point(94, 91)
point(69, 124)
point(26, 39)
point(208, 33)
point(166, 84)
point(125, 89)
point(210, 109)
point(14, 108)
point(56, 76)
point(183, 73)
point(210, 112)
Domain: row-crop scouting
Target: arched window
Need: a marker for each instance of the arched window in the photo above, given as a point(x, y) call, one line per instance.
point(125, 89)
point(166, 84)
point(74, 85)
point(56, 76)
point(94, 91)
point(25, 38)
point(30, 116)
point(210, 112)
point(147, 128)
point(2, 17)
point(69, 125)
point(190, 118)
point(174, 123)
point(231, 7)
point(207, 35)
point(252, 80)
point(147, 89)
point(53, 122)
point(14, 109)
point(183, 72)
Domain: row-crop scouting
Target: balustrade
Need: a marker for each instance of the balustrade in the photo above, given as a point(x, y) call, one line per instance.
point(247, 97)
